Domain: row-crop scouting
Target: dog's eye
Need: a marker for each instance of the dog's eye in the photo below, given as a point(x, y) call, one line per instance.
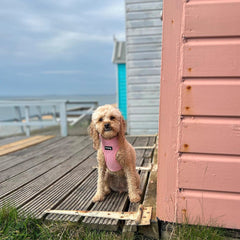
point(100, 119)
point(112, 118)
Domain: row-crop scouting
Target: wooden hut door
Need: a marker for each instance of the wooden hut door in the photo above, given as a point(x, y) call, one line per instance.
point(199, 129)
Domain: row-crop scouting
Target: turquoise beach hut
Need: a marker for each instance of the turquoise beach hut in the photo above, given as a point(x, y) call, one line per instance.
point(119, 58)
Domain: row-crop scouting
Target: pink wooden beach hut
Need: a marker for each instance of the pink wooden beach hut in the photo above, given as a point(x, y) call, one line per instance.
point(199, 129)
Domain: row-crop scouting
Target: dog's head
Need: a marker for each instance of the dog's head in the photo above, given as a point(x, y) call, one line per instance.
point(108, 122)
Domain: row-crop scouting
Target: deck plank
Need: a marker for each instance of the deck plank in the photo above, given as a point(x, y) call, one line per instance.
point(25, 154)
point(57, 192)
point(8, 140)
point(51, 160)
point(13, 168)
point(77, 200)
point(29, 191)
point(21, 144)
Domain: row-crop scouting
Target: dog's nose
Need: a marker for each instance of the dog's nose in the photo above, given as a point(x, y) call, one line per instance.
point(107, 125)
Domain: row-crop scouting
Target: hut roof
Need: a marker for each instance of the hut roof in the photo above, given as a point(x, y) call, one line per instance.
point(119, 52)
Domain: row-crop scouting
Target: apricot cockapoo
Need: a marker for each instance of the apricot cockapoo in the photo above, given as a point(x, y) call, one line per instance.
point(116, 156)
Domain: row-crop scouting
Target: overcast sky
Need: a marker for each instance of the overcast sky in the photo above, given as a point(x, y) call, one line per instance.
point(58, 47)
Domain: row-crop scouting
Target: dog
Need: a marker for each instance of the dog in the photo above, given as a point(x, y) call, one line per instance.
point(116, 156)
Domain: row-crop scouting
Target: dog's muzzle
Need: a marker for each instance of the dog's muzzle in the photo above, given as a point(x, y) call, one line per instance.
point(107, 127)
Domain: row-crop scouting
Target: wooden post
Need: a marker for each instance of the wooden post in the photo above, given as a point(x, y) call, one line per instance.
point(63, 119)
point(19, 116)
point(39, 114)
point(54, 113)
point(27, 129)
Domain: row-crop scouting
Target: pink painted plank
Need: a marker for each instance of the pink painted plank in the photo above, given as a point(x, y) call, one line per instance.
point(211, 97)
point(210, 135)
point(209, 172)
point(211, 58)
point(168, 119)
point(209, 208)
point(212, 18)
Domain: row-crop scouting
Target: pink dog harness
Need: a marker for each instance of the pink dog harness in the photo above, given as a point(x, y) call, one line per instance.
point(110, 148)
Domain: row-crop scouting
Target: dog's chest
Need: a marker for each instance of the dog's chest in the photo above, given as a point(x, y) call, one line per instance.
point(110, 148)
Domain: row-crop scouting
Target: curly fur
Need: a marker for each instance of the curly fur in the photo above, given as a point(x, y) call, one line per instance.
point(127, 179)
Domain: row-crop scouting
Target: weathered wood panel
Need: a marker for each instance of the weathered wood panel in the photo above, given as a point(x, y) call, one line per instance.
point(143, 103)
point(144, 47)
point(142, 110)
point(143, 31)
point(143, 39)
point(144, 71)
point(145, 56)
point(209, 208)
point(145, 64)
point(209, 172)
point(144, 23)
point(144, 79)
point(210, 135)
point(222, 97)
point(205, 58)
point(143, 15)
point(142, 87)
point(142, 131)
point(144, 6)
point(143, 95)
point(212, 19)
point(144, 118)
point(142, 125)
point(141, 1)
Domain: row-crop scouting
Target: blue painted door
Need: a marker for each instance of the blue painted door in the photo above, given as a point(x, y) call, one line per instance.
point(122, 89)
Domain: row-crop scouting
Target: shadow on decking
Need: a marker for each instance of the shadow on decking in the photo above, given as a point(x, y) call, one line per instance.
point(59, 174)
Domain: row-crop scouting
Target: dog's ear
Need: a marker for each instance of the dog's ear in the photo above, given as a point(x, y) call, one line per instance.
point(121, 134)
point(95, 135)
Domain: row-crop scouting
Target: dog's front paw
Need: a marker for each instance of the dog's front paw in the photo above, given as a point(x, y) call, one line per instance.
point(134, 198)
point(107, 190)
point(98, 197)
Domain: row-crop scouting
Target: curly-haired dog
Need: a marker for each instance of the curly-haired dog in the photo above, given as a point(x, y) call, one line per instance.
point(116, 156)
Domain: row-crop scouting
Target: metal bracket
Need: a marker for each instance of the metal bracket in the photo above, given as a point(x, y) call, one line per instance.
point(141, 217)
point(145, 147)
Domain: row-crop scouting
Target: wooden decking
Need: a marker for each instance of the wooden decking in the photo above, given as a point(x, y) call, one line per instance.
point(59, 174)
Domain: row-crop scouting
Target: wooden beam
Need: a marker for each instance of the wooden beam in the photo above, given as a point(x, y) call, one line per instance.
point(16, 146)
point(141, 217)
point(150, 200)
point(144, 147)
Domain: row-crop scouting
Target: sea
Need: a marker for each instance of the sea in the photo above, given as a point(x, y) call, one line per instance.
point(8, 113)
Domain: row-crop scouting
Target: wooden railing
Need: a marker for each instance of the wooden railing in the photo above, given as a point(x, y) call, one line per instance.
point(59, 108)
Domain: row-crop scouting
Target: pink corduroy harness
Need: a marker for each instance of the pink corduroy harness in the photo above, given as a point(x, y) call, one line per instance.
point(110, 148)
